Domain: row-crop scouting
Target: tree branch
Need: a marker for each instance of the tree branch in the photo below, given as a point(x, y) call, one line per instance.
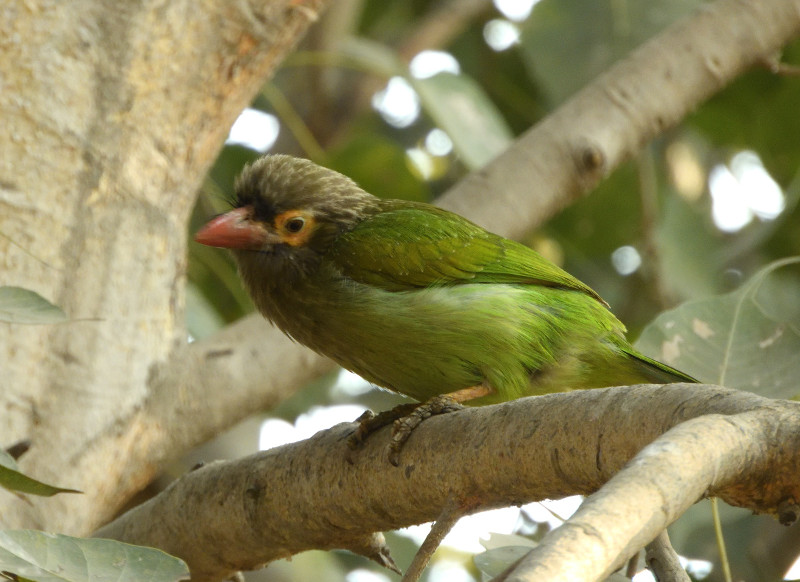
point(662, 560)
point(664, 480)
point(448, 518)
point(235, 370)
point(738, 446)
point(611, 119)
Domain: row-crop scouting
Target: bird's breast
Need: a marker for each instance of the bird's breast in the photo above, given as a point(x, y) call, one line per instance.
point(423, 342)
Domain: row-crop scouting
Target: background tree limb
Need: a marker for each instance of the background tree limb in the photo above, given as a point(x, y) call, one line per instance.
point(611, 119)
point(662, 560)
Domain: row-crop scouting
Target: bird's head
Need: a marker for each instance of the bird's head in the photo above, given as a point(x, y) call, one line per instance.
point(287, 213)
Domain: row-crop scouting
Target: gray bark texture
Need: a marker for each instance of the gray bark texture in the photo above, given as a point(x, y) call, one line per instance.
point(112, 114)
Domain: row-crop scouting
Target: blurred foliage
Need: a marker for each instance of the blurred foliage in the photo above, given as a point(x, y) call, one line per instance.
point(747, 339)
point(28, 555)
point(659, 204)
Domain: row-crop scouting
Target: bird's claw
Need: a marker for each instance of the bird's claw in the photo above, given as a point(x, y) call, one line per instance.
point(404, 426)
point(369, 422)
point(404, 418)
point(358, 436)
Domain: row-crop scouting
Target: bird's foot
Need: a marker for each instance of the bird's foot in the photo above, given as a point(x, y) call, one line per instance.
point(405, 425)
point(404, 418)
point(369, 422)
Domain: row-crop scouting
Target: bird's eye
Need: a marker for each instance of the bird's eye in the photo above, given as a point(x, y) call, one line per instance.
point(295, 224)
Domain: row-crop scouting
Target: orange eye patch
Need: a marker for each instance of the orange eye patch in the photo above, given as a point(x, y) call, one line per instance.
point(295, 227)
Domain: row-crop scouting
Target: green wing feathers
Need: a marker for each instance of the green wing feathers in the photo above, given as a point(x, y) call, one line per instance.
point(654, 371)
point(407, 246)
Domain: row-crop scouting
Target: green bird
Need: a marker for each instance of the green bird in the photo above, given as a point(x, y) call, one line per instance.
point(417, 299)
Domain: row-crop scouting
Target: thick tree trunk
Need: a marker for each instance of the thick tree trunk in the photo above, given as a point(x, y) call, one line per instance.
point(112, 113)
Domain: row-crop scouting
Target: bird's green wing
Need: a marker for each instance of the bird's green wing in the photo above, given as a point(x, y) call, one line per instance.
point(409, 245)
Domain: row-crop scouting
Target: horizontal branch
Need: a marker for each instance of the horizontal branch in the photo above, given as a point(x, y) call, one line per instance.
point(306, 495)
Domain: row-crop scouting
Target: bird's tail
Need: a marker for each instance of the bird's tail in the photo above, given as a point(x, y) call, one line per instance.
point(657, 372)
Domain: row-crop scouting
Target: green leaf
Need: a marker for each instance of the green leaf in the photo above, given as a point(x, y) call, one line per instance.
point(13, 480)
point(689, 250)
point(747, 339)
point(45, 557)
point(456, 103)
point(500, 540)
point(460, 107)
point(692, 536)
point(18, 305)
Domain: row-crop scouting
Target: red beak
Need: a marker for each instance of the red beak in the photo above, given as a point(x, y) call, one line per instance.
point(236, 230)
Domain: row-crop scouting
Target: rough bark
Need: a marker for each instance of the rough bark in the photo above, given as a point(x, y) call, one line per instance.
point(112, 113)
point(655, 462)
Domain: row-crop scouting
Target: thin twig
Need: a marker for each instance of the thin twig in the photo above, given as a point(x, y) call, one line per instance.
point(452, 512)
point(648, 187)
point(633, 566)
point(775, 65)
point(294, 121)
point(663, 562)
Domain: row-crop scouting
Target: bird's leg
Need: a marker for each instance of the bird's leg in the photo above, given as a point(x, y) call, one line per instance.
point(370, 422)
point(441, 404)
point(404, 418)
